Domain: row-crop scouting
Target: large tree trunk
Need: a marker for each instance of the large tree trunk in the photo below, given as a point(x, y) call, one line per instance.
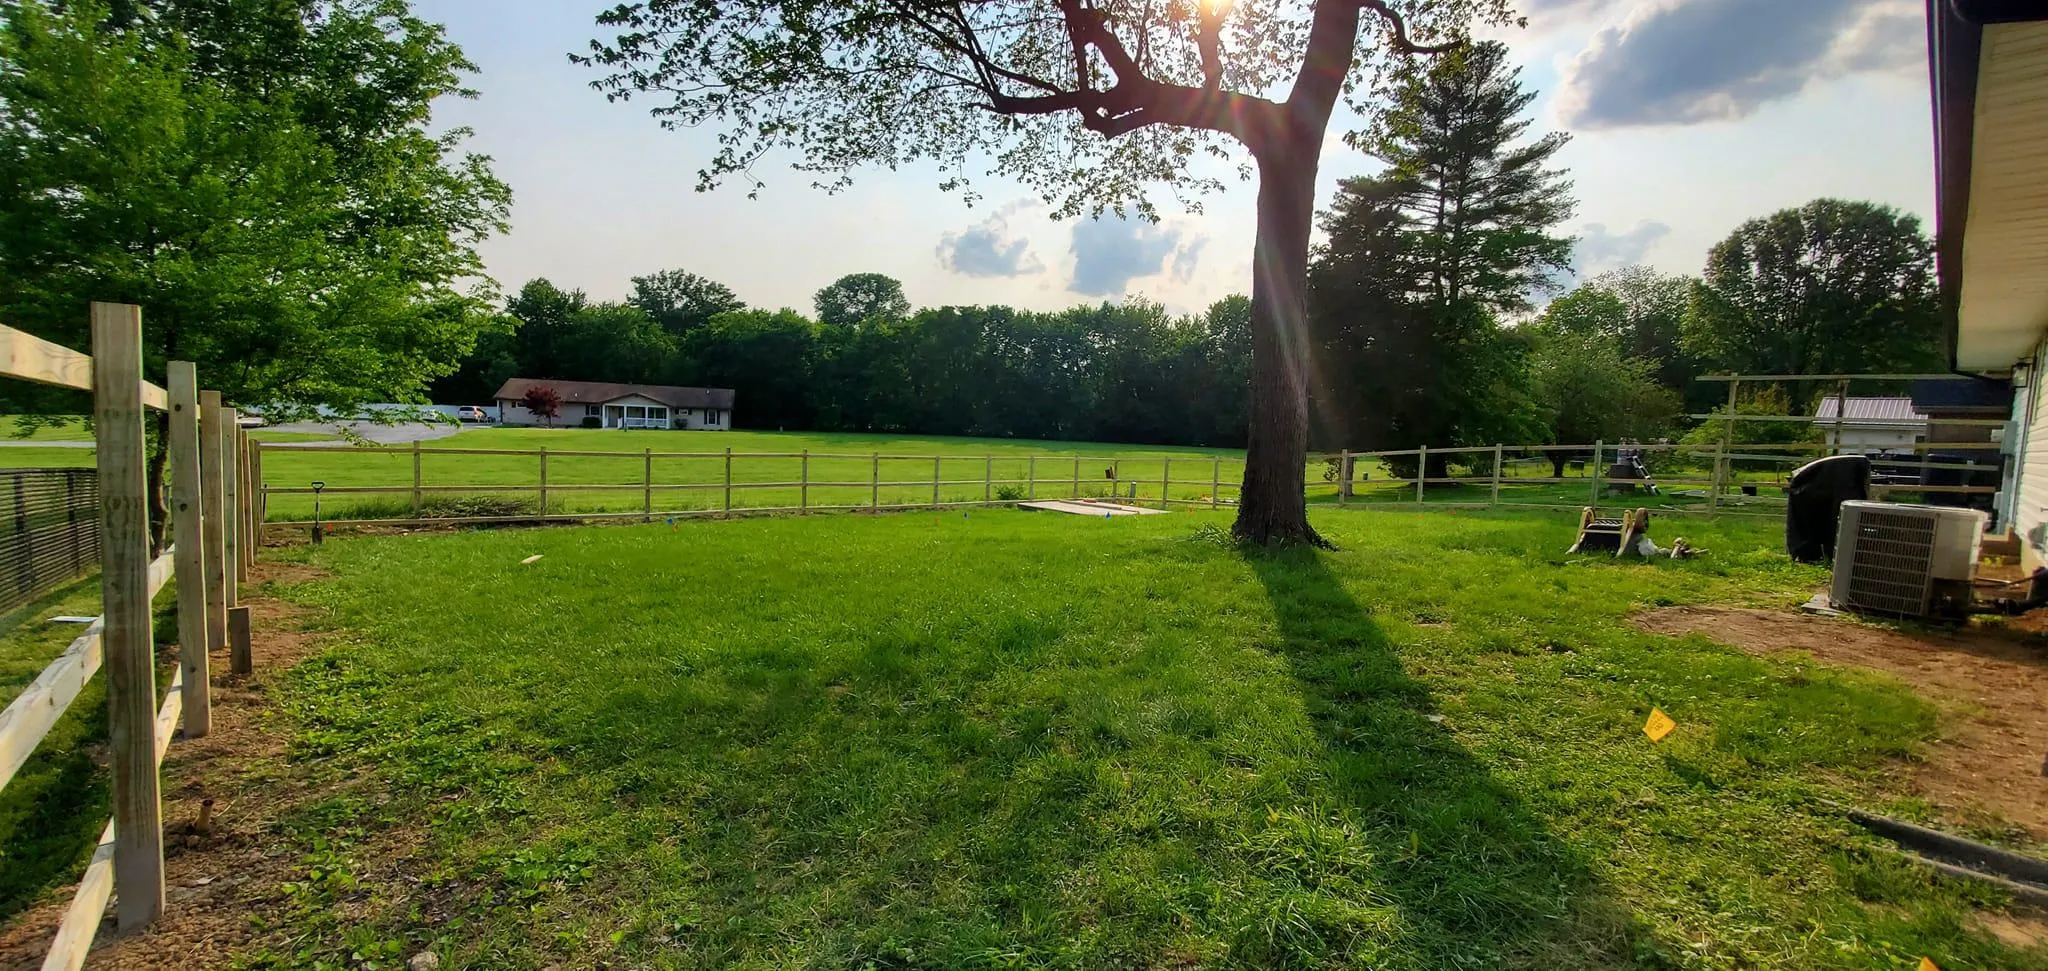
point(1272, 507)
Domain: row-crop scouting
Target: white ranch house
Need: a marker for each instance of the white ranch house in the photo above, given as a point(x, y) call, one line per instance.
point(607, 405)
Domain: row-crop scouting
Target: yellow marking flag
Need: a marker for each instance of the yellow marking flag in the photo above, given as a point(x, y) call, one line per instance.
point(1927, 964)
point(1659, 725)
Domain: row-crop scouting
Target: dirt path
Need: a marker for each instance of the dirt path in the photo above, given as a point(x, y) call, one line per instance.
point(1992, 754)
point(214, 882)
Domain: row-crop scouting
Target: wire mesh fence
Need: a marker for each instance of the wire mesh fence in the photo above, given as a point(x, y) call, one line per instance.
point(49, 531)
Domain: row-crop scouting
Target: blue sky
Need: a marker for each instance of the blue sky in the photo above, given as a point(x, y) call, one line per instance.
point(1687, 117)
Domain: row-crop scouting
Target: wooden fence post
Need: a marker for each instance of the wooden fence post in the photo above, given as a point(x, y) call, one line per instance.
point(213, 518)
point(728, 480)
point(241, 654)
point(1031, 477)
point(803, 495)
point(1719, 480)
point(259, 498)
point(1498, 458)
point(1421, 470)
point(1215, 480)
point(543, 482)
point(647, 485)
point(1344, 477)
point(189, 536)
point(231, 501)
point(1166, 483)
point(1077, 477)
point(1599, 450)
point(1116, 476)
point(875, 484)
point(418, 500)
point(935, 482)
point(128, 642)
point(247, 524)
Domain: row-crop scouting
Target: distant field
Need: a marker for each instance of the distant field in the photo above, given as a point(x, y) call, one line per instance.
point(689, 470)
point(842, 468)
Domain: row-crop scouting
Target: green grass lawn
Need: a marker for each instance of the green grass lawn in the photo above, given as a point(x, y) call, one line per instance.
point(841, 470)
point(1008, 739)
point(52, 811)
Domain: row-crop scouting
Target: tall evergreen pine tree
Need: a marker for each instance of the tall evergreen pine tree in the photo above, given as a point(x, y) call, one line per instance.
point(1423, 258)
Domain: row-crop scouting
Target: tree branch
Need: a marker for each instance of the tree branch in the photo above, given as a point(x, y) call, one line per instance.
point(1209, 40)
point(1398, 27)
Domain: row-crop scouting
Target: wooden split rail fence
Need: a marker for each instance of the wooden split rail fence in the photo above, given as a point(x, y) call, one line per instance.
point(1045, 477)
point(211, 461)
point(1715, 486)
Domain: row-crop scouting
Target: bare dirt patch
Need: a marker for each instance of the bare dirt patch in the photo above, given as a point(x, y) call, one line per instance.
point(1994, 687)
point(217, 882)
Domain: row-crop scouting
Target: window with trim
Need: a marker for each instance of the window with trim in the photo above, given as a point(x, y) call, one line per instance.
point(593, 410)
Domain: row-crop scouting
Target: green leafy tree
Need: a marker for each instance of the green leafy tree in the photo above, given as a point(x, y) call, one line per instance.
point(1653, 315)
point(1592, 392)
point(259, 177)
point(1831, 287)
point(1423, 258)
point(1088, 102)
point(861, 298)
point(681, 301)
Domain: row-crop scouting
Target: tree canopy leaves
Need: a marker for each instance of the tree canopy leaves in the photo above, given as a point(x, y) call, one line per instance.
point(1831, 287)
point(1090, 103)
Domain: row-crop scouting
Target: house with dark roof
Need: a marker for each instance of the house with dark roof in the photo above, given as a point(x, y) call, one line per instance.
point(601, 404)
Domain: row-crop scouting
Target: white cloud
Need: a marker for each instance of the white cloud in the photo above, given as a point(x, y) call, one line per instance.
point(989, 248)
point(1690, 61)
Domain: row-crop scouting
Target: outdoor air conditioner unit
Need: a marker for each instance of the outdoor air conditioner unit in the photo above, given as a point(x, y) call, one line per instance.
point(1905, 560)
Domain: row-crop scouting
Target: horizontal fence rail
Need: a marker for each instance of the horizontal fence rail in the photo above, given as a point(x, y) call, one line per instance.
point(57, 524)
point(706, 483)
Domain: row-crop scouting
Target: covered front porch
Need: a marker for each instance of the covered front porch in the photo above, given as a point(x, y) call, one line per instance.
point(637, 413)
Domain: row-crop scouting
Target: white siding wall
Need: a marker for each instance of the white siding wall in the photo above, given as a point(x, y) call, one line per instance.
point(513, 413)
point(2030, 505)
point(697, 419)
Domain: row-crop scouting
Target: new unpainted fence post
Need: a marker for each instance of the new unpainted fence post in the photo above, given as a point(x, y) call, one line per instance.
point(1031, 477)
point(1344, 477)
point(418, 500)
point(1719, 479)
point(128, 641)
point(647, 484)
point(728, 481)
point(213, 517)
point(1215, 481)
point(231, 502)
point(1421, 470)
point(259, 497)
point(543, 482)
point(875, 482)
point(247, 465)
point(241, 649)
point(988, 478)
point(1166, 484)
point(188, 535)
point(1599, 450)
point(803, 494)
point(935, 482)
point(1116, 478)
point(1497, 459)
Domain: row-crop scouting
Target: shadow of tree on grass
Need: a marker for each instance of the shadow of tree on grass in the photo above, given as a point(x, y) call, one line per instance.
point(1477, 879)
